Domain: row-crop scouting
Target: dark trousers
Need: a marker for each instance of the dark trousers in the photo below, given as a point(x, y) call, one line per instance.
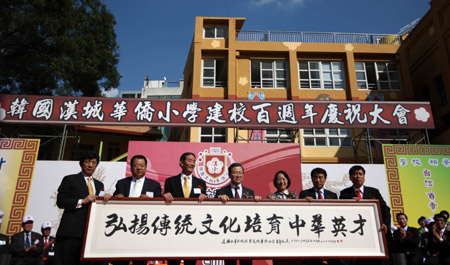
point(68, 251)
point(27, 261)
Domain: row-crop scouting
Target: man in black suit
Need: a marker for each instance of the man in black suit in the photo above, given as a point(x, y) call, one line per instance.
point(138, 185)
point(237, 191)
point(358, 191)
point(4, 244)
point(185, 185)
point(75, 194)
point(318, 177)
point(406, 242)
point(27, 246)
point(438, 242)
point(49, 244)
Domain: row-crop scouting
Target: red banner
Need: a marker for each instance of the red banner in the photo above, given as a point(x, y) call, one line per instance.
point(215, 113)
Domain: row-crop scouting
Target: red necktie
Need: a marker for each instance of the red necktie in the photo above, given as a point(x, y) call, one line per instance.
point(320, 195)
point(45, 242)
point(236, 192)
point(359, 194)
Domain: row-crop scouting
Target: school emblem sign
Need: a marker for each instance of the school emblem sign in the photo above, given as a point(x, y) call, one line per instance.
point(212, 166)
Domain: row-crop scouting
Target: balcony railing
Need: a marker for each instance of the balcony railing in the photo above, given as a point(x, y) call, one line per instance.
point(320, 37)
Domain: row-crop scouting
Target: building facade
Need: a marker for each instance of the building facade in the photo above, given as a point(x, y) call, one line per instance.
point(226, 62)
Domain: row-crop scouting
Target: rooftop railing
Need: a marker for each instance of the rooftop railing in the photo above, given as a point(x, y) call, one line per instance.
point(320, 37)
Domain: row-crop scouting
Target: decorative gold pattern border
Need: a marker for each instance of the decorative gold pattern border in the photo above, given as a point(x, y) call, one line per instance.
point(30, 149)
point(390, 153)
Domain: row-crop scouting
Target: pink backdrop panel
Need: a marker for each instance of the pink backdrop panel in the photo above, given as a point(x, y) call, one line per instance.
point(260, 161)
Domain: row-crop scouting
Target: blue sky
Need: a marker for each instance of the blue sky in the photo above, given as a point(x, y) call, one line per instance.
point(154, 36)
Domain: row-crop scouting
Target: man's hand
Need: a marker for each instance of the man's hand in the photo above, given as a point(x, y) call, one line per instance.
point(106, 197)
point(272, 198)
point(119, 196)
point(202, 197)
point(309, 198)
point(88, 199)
point(168, 197)
point(224, 198)
point(384, 228)
point(257, 198)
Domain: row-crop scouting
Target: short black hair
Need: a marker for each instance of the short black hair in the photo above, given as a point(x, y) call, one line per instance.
point(319, 170)
point(356, 168)
point(422, 218)
point(285, 175)
point(234, 165)
point(88, 156)
point(137, 157)
point(438, 215)
point(400, 214)
point(444, 213)
point(184, 155)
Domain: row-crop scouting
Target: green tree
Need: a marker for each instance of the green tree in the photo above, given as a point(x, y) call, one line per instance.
point(57, 47)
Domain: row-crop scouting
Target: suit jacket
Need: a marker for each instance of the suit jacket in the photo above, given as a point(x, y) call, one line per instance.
point(123, 187)
point(410, 244)
point(443, 248)
point(173, 185)
point(17, 248)
point(246, 193)
point(312, 193)
point(4, 244)
point(370, 193)
point(73, 188)
point(50, 249)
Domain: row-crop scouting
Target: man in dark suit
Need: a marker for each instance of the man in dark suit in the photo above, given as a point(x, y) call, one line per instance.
point(138, 185)
point(4, 244)
point(318, 177)
point(49, 244)
point(406, 242)
point(75, 194)
point(359, 191)
point(438, 242)
point(237, 191)
point(27, 246)
point(185, 185)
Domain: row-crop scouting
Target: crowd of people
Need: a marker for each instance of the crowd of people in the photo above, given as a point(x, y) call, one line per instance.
point(429, 244)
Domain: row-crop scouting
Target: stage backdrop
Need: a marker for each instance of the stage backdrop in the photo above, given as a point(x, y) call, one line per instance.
point(260, 161)
point(17, 160)
point(418, 179)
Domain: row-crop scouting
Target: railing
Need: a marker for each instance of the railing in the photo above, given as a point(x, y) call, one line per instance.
point(320, 37)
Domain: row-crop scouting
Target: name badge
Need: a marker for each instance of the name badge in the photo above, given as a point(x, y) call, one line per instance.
point(36, 242)
point(51, 253)
point(2, 242)
point(149, 194)
point(102, 193)
point(197, 191)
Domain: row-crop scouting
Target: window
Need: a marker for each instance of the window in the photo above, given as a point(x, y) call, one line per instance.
point(278, 136)
point(113, 150)
point(377, 75)
point(269, 74)
point(214, 73)
point(215, 32)
point(213, 135)
point(321, 75)
point(327, 137)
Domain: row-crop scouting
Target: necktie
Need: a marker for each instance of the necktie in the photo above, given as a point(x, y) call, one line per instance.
point(320, 195)
point(359, 194)
point(45, 242)
point(236, 192)
point(134, 191)
point(186, 188)
point(27, 240)
point(91, 190)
